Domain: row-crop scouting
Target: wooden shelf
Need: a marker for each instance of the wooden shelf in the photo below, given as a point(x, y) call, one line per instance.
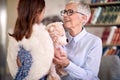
point(105, 4)
point(101, 25)
point(110, 45)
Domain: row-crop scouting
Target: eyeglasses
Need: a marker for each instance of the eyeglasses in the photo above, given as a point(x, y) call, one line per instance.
point(69, 12)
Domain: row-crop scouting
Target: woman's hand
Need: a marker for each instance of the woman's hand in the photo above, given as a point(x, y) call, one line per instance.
point(61, 58)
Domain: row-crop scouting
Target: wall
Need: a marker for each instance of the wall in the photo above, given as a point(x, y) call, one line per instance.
point(11, 13)
point(54, 7)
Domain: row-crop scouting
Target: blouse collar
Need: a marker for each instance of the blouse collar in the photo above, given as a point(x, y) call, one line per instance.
point(77, 37)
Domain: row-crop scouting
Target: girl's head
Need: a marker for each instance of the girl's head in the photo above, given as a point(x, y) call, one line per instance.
point(29, 12)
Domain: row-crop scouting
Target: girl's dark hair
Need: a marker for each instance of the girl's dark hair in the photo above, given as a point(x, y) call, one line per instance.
point(27, 13)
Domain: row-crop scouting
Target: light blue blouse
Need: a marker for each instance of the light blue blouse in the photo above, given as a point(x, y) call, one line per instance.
point(84, 52)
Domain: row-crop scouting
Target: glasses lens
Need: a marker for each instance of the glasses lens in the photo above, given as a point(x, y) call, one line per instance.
point(70, 12)
point(62, 12)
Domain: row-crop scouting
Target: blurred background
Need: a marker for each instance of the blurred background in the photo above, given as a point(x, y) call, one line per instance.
point(8, 15)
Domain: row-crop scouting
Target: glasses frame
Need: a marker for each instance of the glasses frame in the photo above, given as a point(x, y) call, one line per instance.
point(63, 12)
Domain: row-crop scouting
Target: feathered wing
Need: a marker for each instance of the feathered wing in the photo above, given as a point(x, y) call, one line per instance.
point(41, 49)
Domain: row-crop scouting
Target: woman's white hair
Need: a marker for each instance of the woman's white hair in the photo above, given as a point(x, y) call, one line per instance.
point(83, 8)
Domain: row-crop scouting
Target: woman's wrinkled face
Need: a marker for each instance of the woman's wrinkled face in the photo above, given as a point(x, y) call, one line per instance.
point(71, 21)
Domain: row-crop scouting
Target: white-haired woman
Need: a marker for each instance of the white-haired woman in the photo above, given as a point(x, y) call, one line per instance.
point(83, 50)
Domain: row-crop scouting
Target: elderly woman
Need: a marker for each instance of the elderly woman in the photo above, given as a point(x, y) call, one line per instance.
point(83, 51)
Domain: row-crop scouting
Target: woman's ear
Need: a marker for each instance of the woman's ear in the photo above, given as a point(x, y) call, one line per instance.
point(84, 17)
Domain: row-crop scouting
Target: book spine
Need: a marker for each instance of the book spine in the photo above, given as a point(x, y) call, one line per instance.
point(96, 15)
point(111, 34)
point(105, 35)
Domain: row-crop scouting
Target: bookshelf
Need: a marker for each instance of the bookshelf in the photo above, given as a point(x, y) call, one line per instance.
point(111, 45)
point(101, 25)
point(107, 15)
point(105, 4)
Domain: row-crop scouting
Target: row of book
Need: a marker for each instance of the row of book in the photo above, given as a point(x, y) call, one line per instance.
point(103, 1)
point(111, 36)
point(111, 51)
point(105, 15)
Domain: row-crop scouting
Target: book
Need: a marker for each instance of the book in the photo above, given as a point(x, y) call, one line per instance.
point(113, 28)
point(116, 36)
point(110, 51)
point(118, 52)
point(96, 15)
point(92, 12)
point(105, 35)
point(93, 1)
